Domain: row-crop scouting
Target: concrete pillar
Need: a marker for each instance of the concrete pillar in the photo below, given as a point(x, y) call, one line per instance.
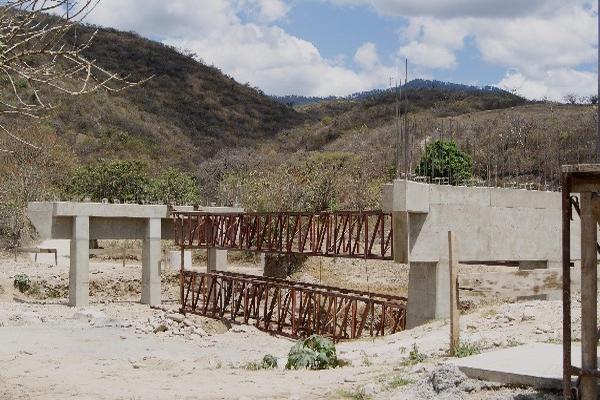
point(428, 293)
point(429, 288)
point(79, 270)
point(216, 260)
point(151, 263)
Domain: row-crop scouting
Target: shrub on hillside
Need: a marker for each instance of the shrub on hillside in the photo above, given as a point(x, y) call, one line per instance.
point(443, 159)
point(111, 179)
point(129, 181)
point(174, 187)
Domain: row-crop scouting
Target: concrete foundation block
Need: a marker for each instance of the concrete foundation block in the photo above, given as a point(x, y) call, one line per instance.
point(151, 254)
point(79, 270)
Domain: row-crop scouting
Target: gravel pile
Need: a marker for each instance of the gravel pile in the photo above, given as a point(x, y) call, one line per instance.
point(445, 382)
point(170, 323)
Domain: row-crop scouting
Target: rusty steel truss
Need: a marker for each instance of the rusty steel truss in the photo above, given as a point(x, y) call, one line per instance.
point(294, 309)
point(354, 234)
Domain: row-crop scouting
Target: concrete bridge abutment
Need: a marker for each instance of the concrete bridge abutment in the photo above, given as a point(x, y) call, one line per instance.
point(494, 226)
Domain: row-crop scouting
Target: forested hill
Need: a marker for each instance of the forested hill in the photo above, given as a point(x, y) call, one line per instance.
point(295, 100)
point(185, 113)
point(189, 112)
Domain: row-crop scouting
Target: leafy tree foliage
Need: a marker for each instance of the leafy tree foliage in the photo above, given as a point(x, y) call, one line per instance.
point(443, 159)
point(111, 179)
point(174, 187)
point(130, 181)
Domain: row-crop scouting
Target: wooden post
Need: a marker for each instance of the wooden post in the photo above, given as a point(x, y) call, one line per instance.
point(589, 287)
point(181, 271)
point(454, 313)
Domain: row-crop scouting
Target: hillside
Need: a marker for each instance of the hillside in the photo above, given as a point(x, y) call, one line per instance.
point(185, 113)
point(246, 148)
point(341, 161)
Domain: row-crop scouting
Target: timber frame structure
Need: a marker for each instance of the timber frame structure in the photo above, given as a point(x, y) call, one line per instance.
point(583, 179)
point(289, 308)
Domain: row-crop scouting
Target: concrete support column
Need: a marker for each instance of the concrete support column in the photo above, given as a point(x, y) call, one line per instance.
point(429, 288)
point(151, 263)
point(216, 260)
point(428, 293)
point(79, 270)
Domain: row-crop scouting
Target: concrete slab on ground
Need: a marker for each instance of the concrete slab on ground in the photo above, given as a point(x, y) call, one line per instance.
point(538, 365)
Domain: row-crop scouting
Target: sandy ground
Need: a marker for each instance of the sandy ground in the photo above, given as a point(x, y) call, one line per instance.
point(110, 350)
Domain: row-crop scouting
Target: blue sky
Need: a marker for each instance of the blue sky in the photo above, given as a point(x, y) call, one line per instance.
point(538, 48)
point(339, 30)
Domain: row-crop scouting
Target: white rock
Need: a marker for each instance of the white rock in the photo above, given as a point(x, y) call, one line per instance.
point(369, 390)
point(89, 314)
point(177, 317)
point(509, 317)
point(200, 331)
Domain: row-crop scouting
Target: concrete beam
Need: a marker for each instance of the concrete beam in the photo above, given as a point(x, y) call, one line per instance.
point(69, 209)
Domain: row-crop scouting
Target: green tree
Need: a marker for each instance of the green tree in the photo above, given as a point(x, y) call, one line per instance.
point(111, 179)
point(174, 187)
point(443, 159)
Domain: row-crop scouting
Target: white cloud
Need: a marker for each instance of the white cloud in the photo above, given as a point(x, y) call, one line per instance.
point(543, 43)
point(160, 19)
point(257, 52)
point(280, 63)
point(463, 8)
point(537, 40)
point(565, 40)
point(264, 10)
point(366, 56)
point(551, 84)
point(428, 55)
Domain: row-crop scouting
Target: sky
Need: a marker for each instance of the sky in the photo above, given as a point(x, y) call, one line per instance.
point(540, 49)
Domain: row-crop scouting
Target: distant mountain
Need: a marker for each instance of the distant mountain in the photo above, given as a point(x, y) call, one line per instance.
point(294, 100)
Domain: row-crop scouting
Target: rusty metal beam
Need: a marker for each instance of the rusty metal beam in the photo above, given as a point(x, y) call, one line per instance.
point(350, 234)
point(289, 308)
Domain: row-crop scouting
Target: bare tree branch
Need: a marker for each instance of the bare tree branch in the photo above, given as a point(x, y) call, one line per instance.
point(35, 58)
